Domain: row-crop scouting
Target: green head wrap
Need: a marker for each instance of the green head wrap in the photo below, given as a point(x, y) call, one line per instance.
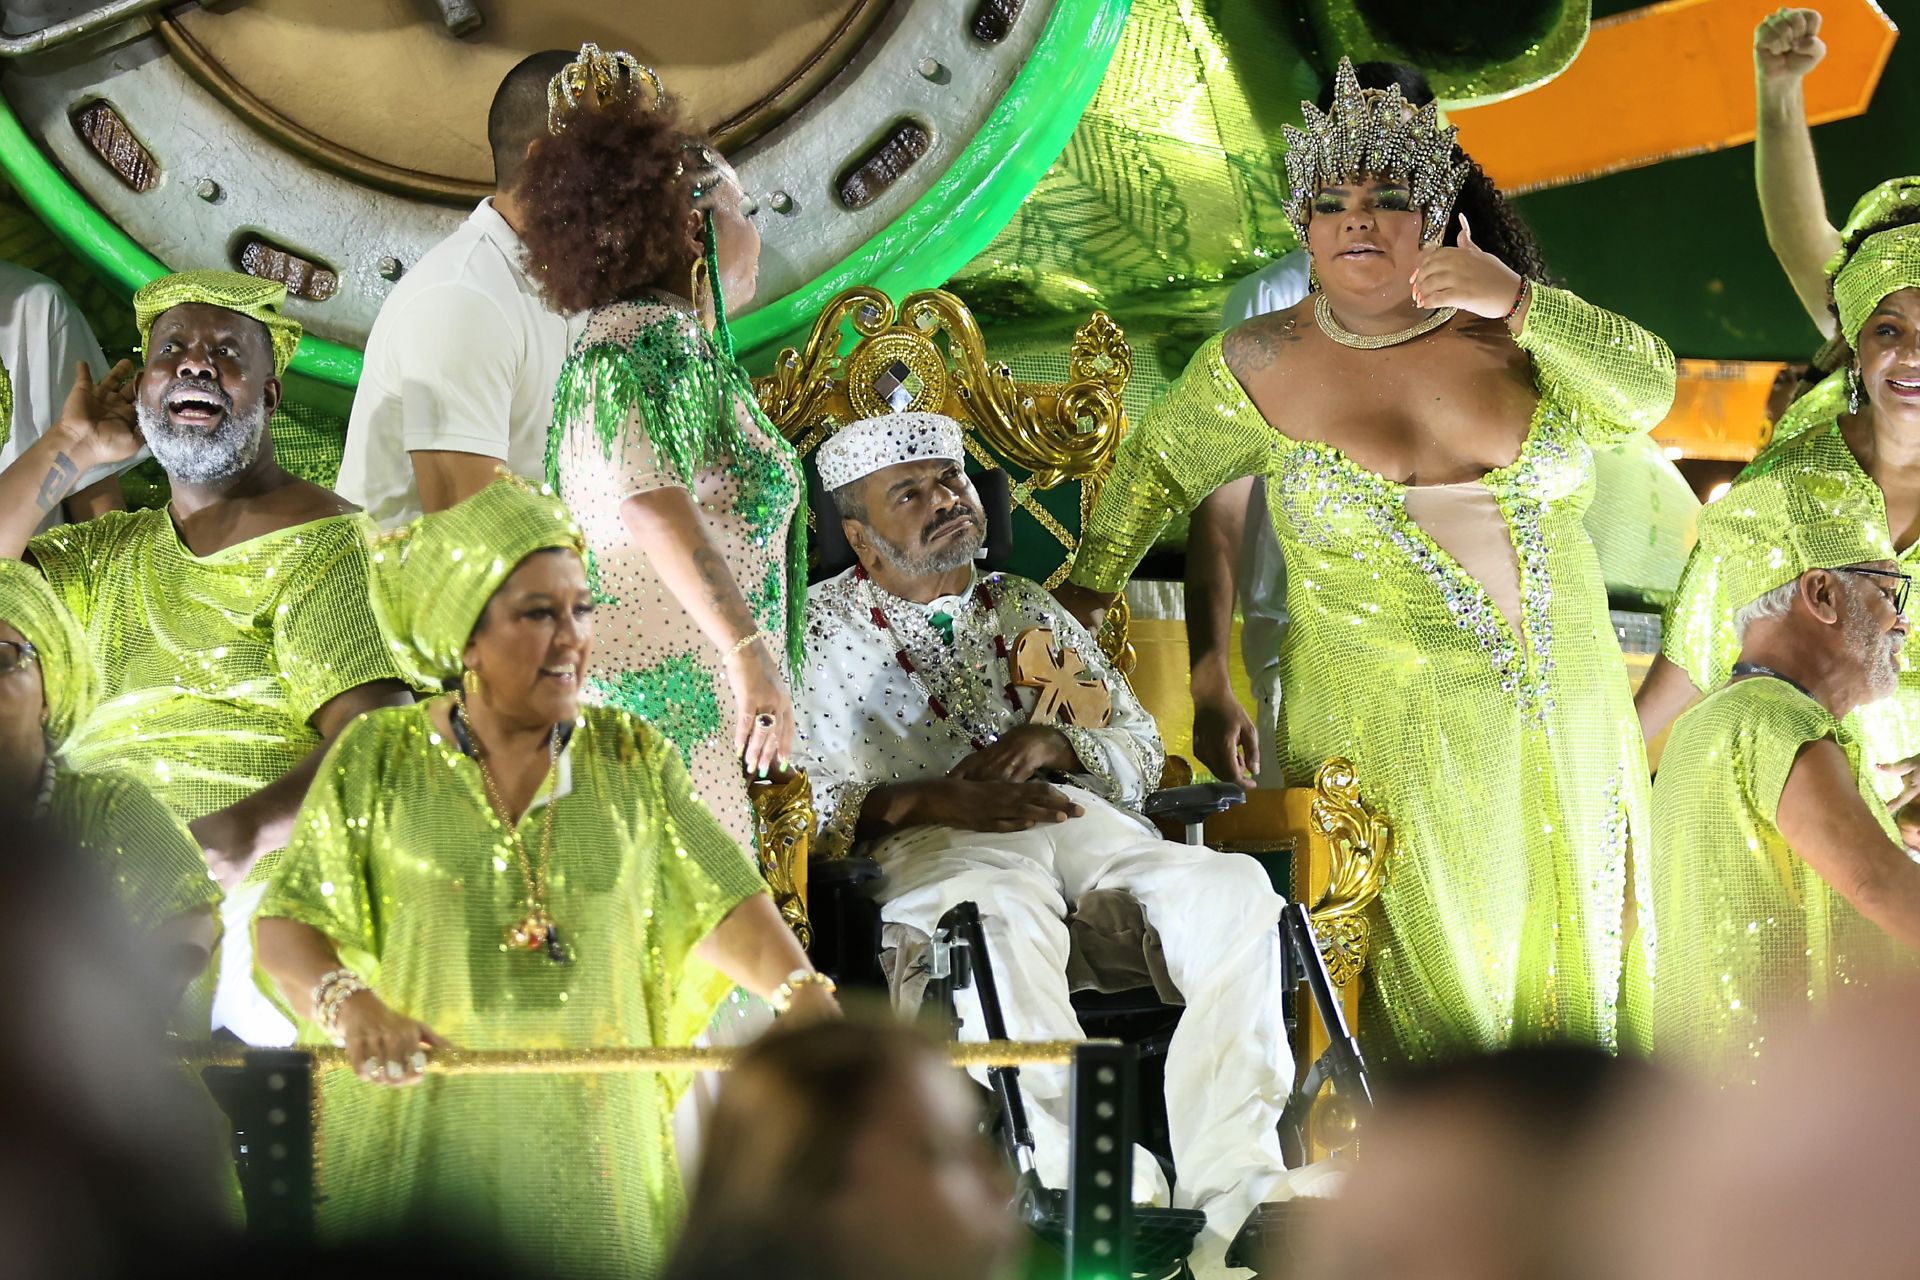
point(249, 295)
point(67, 675)
point(432, 578)
point(1884, 263)
point(1775, 525)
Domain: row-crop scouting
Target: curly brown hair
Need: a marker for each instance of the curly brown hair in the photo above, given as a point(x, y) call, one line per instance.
point(607, 207)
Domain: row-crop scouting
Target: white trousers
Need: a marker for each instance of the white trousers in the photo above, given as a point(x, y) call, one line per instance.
point(1229, 1069)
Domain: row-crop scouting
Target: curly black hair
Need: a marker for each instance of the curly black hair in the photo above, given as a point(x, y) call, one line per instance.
point(1497, 228)
point(609, 209)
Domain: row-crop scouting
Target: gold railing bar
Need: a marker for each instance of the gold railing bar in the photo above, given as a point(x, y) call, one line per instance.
point(502, 1062)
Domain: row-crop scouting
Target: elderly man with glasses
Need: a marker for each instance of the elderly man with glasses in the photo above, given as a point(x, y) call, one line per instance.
point(1779, 881)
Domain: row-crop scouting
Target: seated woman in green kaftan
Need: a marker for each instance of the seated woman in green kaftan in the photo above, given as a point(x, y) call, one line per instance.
point(48, 685)
point(1427, 457)
point(501, 868)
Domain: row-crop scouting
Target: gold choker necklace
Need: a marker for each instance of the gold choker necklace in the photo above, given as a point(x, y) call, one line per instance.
point(1323, 315)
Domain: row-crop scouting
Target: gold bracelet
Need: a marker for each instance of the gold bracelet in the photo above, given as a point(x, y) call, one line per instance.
point(744, 641)
point(782, 997)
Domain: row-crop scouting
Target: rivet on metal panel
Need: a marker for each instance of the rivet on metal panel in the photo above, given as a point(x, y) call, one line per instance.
point(994, 19)
point(303, 277)
point(869, 177)
point(391, 268)
point(101, 127)
point(461, 17)
point(207, 189)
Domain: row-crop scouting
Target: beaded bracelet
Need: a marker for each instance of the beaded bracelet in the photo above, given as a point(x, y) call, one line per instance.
point(1520, 297)
point(329, 994)
point(744, 641)
point(782, 997)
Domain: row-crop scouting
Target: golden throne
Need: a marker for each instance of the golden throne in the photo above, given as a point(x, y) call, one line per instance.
point(1057, 441)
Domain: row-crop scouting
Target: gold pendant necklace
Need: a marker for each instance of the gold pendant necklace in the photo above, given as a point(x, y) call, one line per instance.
point(1323, 316)
point(537, 930)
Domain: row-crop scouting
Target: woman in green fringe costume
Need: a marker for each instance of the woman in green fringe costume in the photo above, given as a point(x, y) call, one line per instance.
point(501, 868)
point(690, 499)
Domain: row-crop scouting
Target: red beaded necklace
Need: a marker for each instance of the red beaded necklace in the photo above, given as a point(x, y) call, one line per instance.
point(984, 598)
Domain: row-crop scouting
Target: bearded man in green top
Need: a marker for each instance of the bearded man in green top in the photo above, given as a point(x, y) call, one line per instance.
point(232, 629)
point(1779, 880)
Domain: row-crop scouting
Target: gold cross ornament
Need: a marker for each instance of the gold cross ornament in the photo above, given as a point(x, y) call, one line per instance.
point(1068, 692)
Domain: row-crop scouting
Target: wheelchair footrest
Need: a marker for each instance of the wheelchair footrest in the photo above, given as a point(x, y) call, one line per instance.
point(1162, 1238)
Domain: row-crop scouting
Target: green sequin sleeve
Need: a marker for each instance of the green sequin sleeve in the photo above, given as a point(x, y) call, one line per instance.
point(155, 864)
point(1203, 435)
point(1617, 377)
point(325, 637)
point(321, 876)
point(69, 556)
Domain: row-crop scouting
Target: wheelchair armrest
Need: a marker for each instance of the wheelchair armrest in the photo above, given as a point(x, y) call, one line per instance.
point(1193, 803)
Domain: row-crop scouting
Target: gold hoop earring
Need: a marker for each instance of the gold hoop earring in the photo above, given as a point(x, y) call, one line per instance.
point(696, 280)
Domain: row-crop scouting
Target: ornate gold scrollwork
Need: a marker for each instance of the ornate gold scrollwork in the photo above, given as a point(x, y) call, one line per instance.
point(783, 812)
point(1056, 432)
point(1360, 848)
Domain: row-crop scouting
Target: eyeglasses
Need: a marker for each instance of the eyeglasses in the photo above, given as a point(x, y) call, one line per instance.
point(1900, 593)
point(15, 654)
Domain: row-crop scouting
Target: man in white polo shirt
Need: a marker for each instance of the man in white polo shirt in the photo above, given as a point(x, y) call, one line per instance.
point(462, 359)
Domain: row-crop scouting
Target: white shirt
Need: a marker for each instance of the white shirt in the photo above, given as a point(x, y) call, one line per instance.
point(462, 359)
point(42, 336)
point(862, 723)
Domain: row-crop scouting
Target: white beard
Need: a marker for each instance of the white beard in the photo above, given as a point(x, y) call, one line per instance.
point(204, 457)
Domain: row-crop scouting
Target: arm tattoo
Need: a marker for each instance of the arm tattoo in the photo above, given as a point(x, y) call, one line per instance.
point(60, 478)
point(722, 590)
point(1254, 346)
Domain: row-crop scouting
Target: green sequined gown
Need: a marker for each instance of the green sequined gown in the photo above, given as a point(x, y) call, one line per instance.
point(1510, 764)
point(399, 860)
point(646, 402)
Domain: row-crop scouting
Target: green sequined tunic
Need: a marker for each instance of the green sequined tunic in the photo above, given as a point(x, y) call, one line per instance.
point(1750, 935)
point(398, 859)
point(154, 864)
point(212, 667)
point(645, 402)
point(1510, 764)
point(1698, 633)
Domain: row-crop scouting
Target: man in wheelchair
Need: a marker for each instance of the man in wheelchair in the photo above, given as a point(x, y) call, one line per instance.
point(967, 734)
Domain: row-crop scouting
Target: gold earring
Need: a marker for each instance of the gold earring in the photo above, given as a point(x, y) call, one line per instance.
point(696, 280)
point(470, 683)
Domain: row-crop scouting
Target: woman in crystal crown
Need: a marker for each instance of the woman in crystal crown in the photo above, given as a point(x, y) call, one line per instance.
point(1423, 421)
point(690, 500)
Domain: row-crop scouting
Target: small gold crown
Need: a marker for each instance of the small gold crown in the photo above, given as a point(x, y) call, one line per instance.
point(1376, 132)
point(597, 80)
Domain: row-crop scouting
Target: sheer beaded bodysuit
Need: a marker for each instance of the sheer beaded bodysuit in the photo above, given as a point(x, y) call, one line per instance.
point(645, 402)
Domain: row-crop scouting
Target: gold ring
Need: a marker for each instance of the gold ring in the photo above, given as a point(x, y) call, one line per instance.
point(765, 720)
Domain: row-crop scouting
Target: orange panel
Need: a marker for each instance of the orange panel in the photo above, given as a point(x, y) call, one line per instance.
point(1720, 410)
point(1668, 80)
